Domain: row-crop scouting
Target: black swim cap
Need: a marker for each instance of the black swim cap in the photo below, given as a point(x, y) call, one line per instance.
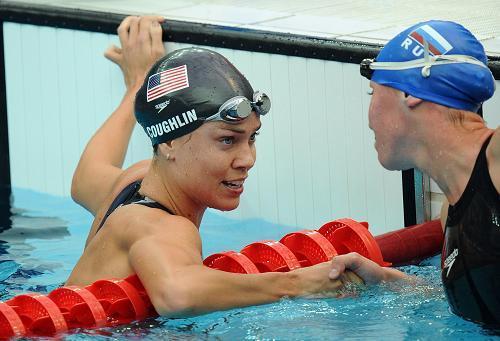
point(184, 86)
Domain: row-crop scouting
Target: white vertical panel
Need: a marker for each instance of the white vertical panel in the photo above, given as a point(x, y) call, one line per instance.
point(318, 145)
point(283, 140)
point(68, 110)
point(299, 112)
point(32, 81)
point(354, 126)
point(100, 90)
point(15, 105)
point(51, 124)
point(82, 72)
point(266, 167)
point(336, 122)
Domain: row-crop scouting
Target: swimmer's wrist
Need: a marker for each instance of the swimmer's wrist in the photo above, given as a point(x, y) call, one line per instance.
point(392, 275)
point(293, 284)
point(132, 90)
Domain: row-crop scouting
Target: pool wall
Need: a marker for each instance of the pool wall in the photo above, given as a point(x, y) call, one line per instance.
point(315, 160)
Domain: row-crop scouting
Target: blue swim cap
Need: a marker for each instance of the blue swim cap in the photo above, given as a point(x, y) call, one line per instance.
point(445, 64)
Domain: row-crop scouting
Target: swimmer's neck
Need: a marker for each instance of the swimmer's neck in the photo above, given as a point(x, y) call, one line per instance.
point(157, 187)
point(449, 155)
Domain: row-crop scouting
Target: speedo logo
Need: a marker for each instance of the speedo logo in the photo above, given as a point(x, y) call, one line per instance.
point(450, 260)
point(172, 124)
point(161, 106)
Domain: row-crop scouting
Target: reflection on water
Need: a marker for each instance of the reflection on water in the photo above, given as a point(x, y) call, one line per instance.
point(25, 227)
point(19, 256)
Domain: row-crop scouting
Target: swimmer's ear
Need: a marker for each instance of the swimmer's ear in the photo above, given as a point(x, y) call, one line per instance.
point(166, 150)
point(412, 102)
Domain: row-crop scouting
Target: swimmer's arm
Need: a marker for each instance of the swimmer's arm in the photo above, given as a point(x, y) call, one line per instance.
point(179, 285)
point(100, 164)
point(369, 271)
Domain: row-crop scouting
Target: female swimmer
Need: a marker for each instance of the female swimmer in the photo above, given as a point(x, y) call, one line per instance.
point(428, 84)
point(202, 117)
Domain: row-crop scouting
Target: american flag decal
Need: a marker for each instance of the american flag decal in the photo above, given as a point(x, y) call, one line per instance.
point(167, 81)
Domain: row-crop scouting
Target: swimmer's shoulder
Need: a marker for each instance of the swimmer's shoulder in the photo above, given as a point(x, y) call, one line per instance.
point(133, 173)
point(132, 223)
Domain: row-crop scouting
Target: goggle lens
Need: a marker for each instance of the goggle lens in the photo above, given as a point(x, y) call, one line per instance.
point(262, 103)
point(364, 68)
point(238, 108)
point(237, 111)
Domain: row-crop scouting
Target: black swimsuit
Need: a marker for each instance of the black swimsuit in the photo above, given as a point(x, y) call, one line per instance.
point(130, 195)
point(470, 260)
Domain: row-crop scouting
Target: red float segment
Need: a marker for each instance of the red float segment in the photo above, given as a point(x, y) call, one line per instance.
point(231, 261)
point(310, 247)
point(412, 244)
point(120, 300)
point(136, 283)
point(39, 314)
point(347, 235)
point(269, 255)
point(79, 307)
point(10, 323)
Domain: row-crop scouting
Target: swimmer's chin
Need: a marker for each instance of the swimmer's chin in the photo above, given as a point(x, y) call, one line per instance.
point(227, 207)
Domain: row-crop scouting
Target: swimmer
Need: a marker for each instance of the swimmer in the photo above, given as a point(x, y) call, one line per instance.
point(202, 117)
point(427, 85)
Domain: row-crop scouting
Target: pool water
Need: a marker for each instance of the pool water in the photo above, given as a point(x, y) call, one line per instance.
point(48, 233)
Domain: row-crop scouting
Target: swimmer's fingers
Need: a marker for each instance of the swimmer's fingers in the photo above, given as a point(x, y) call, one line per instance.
point(338, 267)
point(351, 277)
point(144, 25)
point(114, 54)
point(150, 30)
point(133, 30)
point(124, 29)
point(157, 47)
point(369, 271)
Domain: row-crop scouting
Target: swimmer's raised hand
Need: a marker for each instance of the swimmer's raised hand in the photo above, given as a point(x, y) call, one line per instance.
point(141, 46)
point(368, 270)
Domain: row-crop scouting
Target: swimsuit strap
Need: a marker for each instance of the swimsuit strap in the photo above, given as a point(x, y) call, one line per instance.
point(130, 195)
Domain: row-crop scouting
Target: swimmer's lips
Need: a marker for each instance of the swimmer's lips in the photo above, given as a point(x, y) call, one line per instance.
point(234, 185)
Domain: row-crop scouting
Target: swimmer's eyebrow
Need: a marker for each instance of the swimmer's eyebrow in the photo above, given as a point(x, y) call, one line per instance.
point(238, 130)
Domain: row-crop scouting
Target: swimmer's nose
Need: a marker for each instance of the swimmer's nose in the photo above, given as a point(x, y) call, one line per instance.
point(245, 159)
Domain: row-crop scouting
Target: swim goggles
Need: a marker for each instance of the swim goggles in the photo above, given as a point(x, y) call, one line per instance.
point(367, 66)
point(238, 108)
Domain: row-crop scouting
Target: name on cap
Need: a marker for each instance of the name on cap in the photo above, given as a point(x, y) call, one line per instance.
point(172, 123)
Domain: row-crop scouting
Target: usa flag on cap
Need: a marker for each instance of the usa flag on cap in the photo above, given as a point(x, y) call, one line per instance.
point(165, 82)
point(437, 44)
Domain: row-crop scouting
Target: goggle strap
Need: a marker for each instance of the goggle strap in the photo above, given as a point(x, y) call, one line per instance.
point(432, 60)
point(426, 63)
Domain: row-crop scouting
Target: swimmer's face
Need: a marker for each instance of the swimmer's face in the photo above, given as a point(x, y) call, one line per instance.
point(387, 119)
point(215, 161)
